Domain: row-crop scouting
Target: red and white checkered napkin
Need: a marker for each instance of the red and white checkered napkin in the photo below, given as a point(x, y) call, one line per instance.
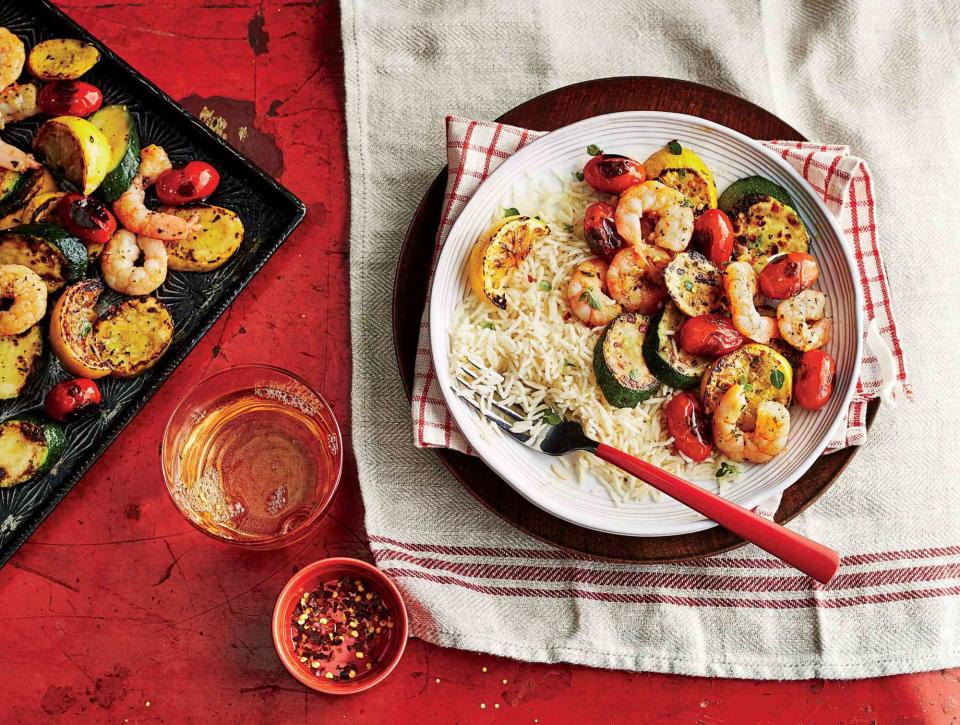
point(476, 148)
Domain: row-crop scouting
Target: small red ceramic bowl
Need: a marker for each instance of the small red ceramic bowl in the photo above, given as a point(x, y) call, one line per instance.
point(389, 649)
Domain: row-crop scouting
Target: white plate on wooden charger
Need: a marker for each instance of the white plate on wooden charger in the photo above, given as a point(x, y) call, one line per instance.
point(729, 155)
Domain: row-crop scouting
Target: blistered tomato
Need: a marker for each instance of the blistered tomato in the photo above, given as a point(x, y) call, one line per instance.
point(72, 398)
point(69, 98)
point(613, 174)
point(789, 275)
point(710, 336)
point(686, 423)
point(814, 383)
point(87, 218)
point(713, 236)
point(600, 230)
point(192, 182)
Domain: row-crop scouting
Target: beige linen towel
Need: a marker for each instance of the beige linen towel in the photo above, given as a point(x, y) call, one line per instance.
point(857, 74)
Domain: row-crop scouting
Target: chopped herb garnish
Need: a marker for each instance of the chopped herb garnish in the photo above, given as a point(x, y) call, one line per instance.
point(537, 217)
point(569, 363)
point(681, 173)
point(551, 418)
point(545, 286)
point(675, 148)
point(512, 211)
point(688, 285)
point(85, 329)
point(777, 378)
point(567, 227)
point(748, 388)
point(579, 175)
point(487, 325)
point(726, 469)
point(743, 380)
point(594, 150)
point(590, 299)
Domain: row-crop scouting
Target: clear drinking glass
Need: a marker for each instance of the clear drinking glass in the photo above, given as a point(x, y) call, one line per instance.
point(252, 456)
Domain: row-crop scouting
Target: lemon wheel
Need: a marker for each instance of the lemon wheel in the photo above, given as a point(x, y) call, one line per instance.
point(75, 150)
point(499, 251)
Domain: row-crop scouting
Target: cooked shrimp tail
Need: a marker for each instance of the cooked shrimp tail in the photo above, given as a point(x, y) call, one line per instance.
point(133, 265)
point(23, 298)
point(802, 320)
point(740, 285)
point(132, 211)
point(14, 159)
point(768, 438)
point(586, 294)
point(667, 208)
point(12, 57)
point(17, 102)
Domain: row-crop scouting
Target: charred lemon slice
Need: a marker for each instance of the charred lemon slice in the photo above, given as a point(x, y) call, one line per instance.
point(498, 252)
point(75, 150)
point(681, 169)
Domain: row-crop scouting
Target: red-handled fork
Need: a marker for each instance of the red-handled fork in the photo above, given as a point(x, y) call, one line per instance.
point(813, 559)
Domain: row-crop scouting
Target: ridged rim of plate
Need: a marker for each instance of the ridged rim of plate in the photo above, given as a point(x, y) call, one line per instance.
point(730, 155)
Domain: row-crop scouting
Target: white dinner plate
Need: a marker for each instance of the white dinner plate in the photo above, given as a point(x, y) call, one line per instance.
point(730, 155)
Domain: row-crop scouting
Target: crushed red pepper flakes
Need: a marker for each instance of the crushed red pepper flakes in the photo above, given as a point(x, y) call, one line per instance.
point(333, 620)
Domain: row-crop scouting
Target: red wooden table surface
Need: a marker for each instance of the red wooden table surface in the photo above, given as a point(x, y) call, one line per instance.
point(118, 611)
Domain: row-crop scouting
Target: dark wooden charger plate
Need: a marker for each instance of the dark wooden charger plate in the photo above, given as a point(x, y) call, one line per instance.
point(546, 113)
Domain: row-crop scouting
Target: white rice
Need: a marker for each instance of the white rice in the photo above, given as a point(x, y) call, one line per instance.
point(531, 358)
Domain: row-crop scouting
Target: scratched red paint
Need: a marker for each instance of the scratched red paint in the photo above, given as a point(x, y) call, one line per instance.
point(117, 602)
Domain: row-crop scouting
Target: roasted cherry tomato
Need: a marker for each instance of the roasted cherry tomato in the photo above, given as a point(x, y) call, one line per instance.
point(789, 275)
point(192, 182)
point(713, 235)
point(613, 174)
point(686, 423)
point(87, 218)
point(69, 98)
point(813, 385)
point(72, 398)
point(600, 230)
point(710, 336)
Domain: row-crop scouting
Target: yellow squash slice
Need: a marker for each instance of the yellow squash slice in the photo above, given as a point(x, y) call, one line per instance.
point(680, 168)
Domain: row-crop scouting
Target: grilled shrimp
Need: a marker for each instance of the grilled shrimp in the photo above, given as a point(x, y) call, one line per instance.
point(14, 159)
point(134, 214)
point(764, 442)
point(12, 57)
point(17, 102)
point(740, 285)
point(23, 298)
point(586, 295)
point(635, 278)
point(668, 207)
point(133, 265)
point(801, 320)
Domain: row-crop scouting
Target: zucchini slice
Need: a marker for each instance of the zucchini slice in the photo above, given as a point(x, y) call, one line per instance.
point(741, 194)
point(133, 336)
point(32, 184)
point(693, 282)
point(49, 250)
point(29, 447)
point(672, 365)
point(10, 182)
point(218, 235)
point(763, 372)
point(118, 125)
point(20, 356)
point(618, 363)
point(766, 228)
